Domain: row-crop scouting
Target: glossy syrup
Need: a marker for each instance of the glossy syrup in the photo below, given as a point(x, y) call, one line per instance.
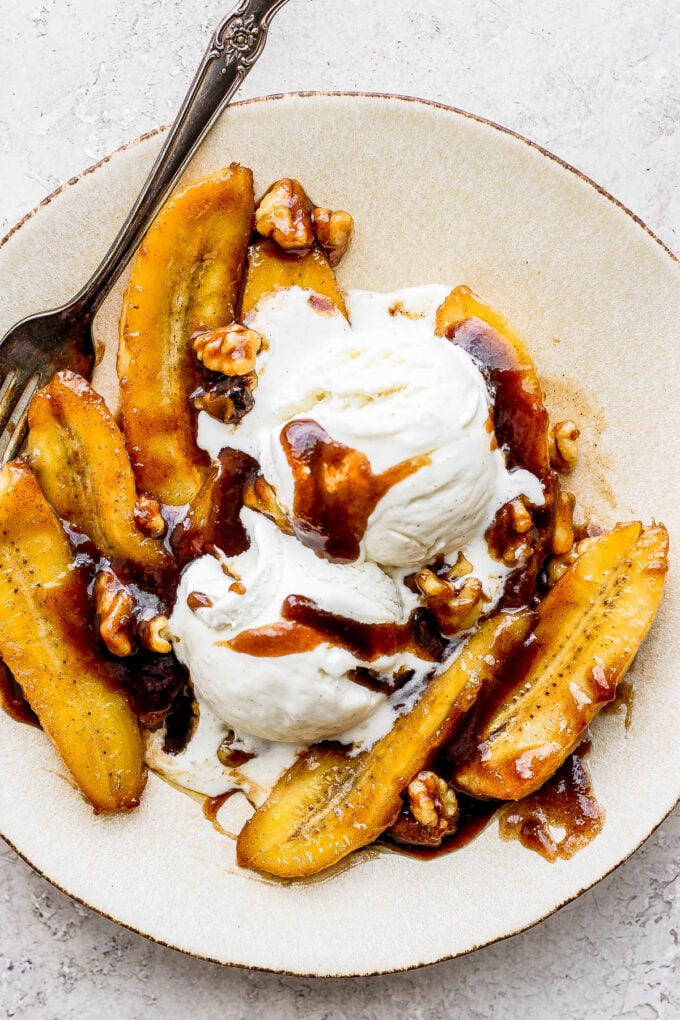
point(305, 626)
point(520, 418)
point(12, 699)
point(565, 803)
point(336, 490)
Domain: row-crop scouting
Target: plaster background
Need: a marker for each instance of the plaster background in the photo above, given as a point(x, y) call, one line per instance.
point(596, 82)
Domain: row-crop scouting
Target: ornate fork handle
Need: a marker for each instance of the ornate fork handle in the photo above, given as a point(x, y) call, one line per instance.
point(233, 49)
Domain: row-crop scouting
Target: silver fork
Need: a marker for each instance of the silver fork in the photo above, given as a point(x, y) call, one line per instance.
point(40, 345)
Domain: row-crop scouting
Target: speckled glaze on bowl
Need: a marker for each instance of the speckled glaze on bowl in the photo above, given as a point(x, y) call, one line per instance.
point(437, 196)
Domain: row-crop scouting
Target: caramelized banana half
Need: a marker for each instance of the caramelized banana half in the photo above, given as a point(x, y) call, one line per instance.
point(270, 268)
point(186, 277)
point(329, 804)
point(78, 454)
point(520, 418)
point(589, 628)
point(47, 644)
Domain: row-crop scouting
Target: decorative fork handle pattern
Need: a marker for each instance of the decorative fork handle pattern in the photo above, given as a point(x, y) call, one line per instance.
point(234, 47)
point(240, 38)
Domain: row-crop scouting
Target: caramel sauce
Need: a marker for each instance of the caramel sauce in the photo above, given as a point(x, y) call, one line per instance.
point(305, 626)
point(566, 801)
point(274, 639)
point(211, 809)
point(198, 600)
point(12, 699)
point(520, 418)
point(213, 519)
point(336, 490)
point(181, 717)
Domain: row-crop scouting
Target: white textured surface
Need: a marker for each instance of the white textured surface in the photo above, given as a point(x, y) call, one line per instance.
point(596, 83)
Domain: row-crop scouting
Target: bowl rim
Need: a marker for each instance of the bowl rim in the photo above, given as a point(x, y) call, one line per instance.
point(399, 98)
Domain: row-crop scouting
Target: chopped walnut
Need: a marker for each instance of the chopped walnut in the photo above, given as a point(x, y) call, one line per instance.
point(148, 517)
point(231, 350)
point(454, 608)
point(432, 801)
point(228, 398)
point(563, 535)
point(333, 230)
point(506, 543)
point(285, 215)
point(114, 607)
point(563, 446)
point(261, 496)
point(522, 521)
point(151, 634)
point(460, 568)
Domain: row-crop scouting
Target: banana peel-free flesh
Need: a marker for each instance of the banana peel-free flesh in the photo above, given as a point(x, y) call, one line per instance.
point(78, 455)
point(589, 628)
point(270, 268)
point(186, 277)
point(47, 644)
point(329, 804)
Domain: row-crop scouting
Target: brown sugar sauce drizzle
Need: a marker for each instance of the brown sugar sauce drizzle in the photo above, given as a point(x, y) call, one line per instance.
point(305, 626)
point(12, 700)
point(336, 490)
point(519, 416)
point(566, 801)
point(213, 520)
point(211, 809)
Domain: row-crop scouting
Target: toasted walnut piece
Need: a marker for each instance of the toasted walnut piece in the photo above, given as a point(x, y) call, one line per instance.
point(228, 398)
point(522, 521)
point(261, 496)
point(231, 350)
point(285, 215)
point(563, 535)
point(454, 608)
point(563, 445)
point(505, 542)
point(114, 607)
point(432, 801)
point(460, 568)
point(148, 517)
point(151, 634)
point(333, 230)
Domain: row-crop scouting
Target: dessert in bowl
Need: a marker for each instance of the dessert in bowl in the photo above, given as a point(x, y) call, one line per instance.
point(494, 241)
point(343, 516)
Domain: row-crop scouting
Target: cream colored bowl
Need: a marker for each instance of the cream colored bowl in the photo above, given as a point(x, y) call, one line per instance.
point(437, 196)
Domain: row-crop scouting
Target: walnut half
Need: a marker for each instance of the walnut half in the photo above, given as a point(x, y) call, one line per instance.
point(231, 350)
point(432, 801)
point(333, 230)
point(456, 607)
point(285, 215)
point(431, 812)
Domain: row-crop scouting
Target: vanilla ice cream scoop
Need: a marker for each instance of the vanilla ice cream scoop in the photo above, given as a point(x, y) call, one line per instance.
point(375, 436)
point(265, 675)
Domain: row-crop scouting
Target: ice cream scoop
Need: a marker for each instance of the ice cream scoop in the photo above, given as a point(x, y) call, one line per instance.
point(375, 435)
point(279, 678)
